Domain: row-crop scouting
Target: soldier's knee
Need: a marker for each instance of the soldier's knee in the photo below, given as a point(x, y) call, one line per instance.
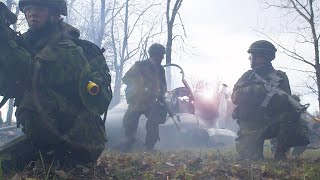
point(248, 148)
point(130, 120)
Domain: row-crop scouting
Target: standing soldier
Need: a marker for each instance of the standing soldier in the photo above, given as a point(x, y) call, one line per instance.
point(146, 86)
point(52, 82)
point(262, 115)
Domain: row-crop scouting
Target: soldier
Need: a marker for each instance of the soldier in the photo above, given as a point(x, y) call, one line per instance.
point(146, 86)
point(54, 80)
point(262, 115)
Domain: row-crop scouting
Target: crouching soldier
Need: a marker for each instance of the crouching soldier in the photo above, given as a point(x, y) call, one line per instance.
point(261, 114)
point(51, 78)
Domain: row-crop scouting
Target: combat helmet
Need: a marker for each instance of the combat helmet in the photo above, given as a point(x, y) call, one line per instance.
point(59, 5)
point(263, 47)
point(156, 50)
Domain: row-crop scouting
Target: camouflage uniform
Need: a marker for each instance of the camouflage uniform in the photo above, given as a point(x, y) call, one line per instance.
point(257, 123)
point(145, 84)
point(50, 105)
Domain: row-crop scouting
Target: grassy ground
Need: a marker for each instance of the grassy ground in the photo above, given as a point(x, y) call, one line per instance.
point(191, 164)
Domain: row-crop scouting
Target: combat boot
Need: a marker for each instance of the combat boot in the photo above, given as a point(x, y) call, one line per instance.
point(149, 147)
point(129, 144)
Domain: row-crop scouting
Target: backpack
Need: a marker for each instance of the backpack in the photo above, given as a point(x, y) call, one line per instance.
point(99, 73)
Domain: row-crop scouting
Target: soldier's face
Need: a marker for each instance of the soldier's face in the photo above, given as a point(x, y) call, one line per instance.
point(37, 16)
point(158, 59)
point(257, 60)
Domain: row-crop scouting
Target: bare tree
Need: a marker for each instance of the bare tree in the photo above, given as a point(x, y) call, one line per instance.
point(70, 4)
point(199, 86)
point(123, 27)
point(103, 23)
point(303, 24)
point(170, 19)
point(97, 33)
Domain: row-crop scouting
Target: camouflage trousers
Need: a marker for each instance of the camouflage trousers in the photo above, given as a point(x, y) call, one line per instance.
point(82, 142)
point(131, 121)
point(252, 135)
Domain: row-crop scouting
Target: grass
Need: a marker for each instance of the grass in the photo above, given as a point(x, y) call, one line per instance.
point(192, 164)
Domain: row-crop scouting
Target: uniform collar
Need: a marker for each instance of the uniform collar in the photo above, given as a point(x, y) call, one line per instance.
point(265, 69)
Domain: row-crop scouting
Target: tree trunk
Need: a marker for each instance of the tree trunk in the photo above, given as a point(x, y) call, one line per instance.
point(170, 24)
point(102, 23)
point(70, 7)
point(10, 112)
point(168, 56)
point(91, 25)
point(119, 69)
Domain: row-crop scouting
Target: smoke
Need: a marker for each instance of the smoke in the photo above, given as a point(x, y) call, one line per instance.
point(207, 110)
point(192, 132)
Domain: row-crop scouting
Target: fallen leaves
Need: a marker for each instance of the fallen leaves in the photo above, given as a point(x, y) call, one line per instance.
point(189, 165)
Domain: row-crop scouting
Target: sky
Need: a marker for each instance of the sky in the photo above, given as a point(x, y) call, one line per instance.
point(221, 33)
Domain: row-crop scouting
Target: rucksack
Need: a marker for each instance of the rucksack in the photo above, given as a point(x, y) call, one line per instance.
point(100, 74)
point(97, 72)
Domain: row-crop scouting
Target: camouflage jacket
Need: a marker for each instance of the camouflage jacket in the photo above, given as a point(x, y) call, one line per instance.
point(51, 68)
point(248, 95)
point(56, 67)
point(145, 83)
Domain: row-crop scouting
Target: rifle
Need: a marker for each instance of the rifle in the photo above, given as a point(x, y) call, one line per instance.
point(9, 40)
point(6, 16)
point(165, 104)
point(273, 89)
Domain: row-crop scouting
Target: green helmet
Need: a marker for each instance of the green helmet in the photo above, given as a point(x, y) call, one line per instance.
point(156, 50)
point(263, 47)
point(59, 5)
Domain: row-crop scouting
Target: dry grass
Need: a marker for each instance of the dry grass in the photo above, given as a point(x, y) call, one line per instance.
point(193, 164)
